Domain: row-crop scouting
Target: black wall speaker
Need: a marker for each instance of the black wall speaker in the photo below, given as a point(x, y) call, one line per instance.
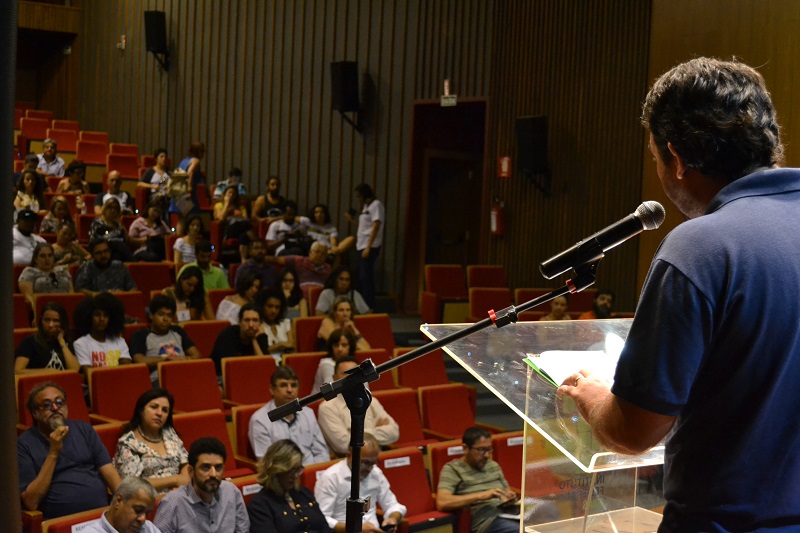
point(155, 31)
point(344, 84)
point(532, 145)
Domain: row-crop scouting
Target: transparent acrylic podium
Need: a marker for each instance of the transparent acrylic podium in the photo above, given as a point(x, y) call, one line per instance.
point(569, 482)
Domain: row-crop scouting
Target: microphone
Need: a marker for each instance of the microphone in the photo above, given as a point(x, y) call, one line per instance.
point(647, 216)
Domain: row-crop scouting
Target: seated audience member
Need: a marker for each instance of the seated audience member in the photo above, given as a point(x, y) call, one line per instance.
point(230, 212)
point(49, 164)
point(213, 276)
point(63, 466)
point(602, 306)
point(319, 227)
point(340, 317)
point(208, 502)
point(113, 190)
point(162, 341)
point(183, 248)
point(286, 236)
point(341, 343)
point(102, 274)
point(301, 427)
point(57, 216)
point(247, 286)
point(149, 232)
point(48, 348)
point(30, 193)
point(75, 184)
point(156, 179)
point(99, 323)
point(190, 297)
point(312, 270)
point(340, 283)
point(108, 227)
point(246, 338)
point(333, 489)
point(30, 163)
point(558, 309)
point(150, 447)
point(257, 253)
point(284, 505)
point(280, 335)
point(296, 304)
point(43, 276)
point(270, 206)
point(24, 240)
point(234, 180)
point(133, 500)
point(477, 482)
point(334, 417)
point(67, 250)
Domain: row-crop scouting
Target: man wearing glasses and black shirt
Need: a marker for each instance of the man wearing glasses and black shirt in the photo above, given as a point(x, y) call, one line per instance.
point(63, 466)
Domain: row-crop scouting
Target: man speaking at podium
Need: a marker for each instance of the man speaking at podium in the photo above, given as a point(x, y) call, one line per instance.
point(713, 355)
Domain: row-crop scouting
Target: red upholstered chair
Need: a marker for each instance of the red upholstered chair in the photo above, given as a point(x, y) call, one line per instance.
point(378, 356)
point(34, 128)
point(22, 312)
point(426, 370)
point(114, 390)
point(210, 423)
point(95, 136)
point(141, 196)
point(109, 434)
point(66, 140)
point(130, 329)
point(151, 276)
point(507, 451)
point(193, 383)
point(246, 379)
point(70, 381)
point(443, 284)
point(403, 406)
point(133, 301)
point(204, 333)
point(215, 296)
point(311, 293)
point(21, 333)
point(84, 227)
point(446, 410)
point(405, 468)
point(582, 301)
point(240, 415)
point(482, 300)
point(92, 152)
point(248, 486)
point(69, 300)
point(39, 113)
point(126, 164)
point(305, 332)
point(525, 294)
point(124, 149)
point(305, 366)
point(439, 454)
point(486, 276)
point(66, 125)
point(311, 473)
point(232, 268)
point(70, 523)
point(377, 330)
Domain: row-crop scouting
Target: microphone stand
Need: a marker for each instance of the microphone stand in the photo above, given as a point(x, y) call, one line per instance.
point(358, 398)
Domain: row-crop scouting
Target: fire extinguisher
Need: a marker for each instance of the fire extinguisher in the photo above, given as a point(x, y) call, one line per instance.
point(497, 218)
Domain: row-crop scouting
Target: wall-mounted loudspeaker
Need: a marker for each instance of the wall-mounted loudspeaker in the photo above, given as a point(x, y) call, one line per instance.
point(532, 145)
point(344, 84)
point(155, 31)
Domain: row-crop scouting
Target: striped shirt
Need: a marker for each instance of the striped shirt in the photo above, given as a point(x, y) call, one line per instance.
point(182, 511)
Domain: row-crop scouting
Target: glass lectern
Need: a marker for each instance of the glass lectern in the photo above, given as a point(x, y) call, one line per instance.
point(570, 483)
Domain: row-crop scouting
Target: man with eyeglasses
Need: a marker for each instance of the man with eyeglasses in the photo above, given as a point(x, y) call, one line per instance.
point(477, 482)
point(63, 466)
point(333, 489)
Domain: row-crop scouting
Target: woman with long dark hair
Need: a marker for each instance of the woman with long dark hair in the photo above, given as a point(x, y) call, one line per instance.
point(340, 283)
point(150, 447)
point(247, 286)
point(296, 304)
point(48, 348)
point(341, 343)
point(280, 335)
point(190, 296)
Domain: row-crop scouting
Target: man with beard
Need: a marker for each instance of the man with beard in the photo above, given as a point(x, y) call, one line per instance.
point(63, 466)
point(257, 252)
point(102, 274)
point(131, 503)
point(23, 237)
point(248, 337)
point(333, 489)
point(208, 504)
point(601, 307)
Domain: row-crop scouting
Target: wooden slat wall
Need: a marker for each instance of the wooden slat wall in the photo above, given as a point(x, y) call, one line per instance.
point(252, 80)
point(584, 65)
point(761, 34)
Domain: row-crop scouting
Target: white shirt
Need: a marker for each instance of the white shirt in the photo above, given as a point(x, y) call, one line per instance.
point(333, 489)
point(303, 430)
point(334, 420)
point(23, 246)
point(53, 168)
point(370, 214)
point(278, 230)
point(102, 525)
point(97, 354)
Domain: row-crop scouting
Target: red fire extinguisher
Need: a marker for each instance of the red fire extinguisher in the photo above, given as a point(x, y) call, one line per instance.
point(497, 218)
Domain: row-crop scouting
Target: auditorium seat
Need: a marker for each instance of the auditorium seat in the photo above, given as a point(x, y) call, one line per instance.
point(305, 366)
point(40, 114)
point(71, 523)
point(484, 299)
point(486, 276)
point(84, 227)
point(21, 333)
point(92, 152)
point(378, 356)
point(115, 390)
point(151, 276)
point(441, 453)
point(445, 296)
point(311, 294)
point(66, 125)
point(69, 300)
point(376, 328)
point(426, 370)
point(70, 381)
point(109, 434)
point(215, 296)
point(126, 164)
point(507, 451)
point(22, 312)
point(311, 473)
point(125, 149)
point(248, 486)
point(305, 332)
point(204, 333)
point(95, 136)
point(133, 301)
point(246, 379)
point(210, 423)
point(446, 410)
point(403, 406)
point(66, 140)
point(240, 416)
point(34, 128)
point(193, 384)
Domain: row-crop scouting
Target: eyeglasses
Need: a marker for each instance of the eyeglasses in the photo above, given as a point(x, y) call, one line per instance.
point(483, 451)
point(47, 405)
